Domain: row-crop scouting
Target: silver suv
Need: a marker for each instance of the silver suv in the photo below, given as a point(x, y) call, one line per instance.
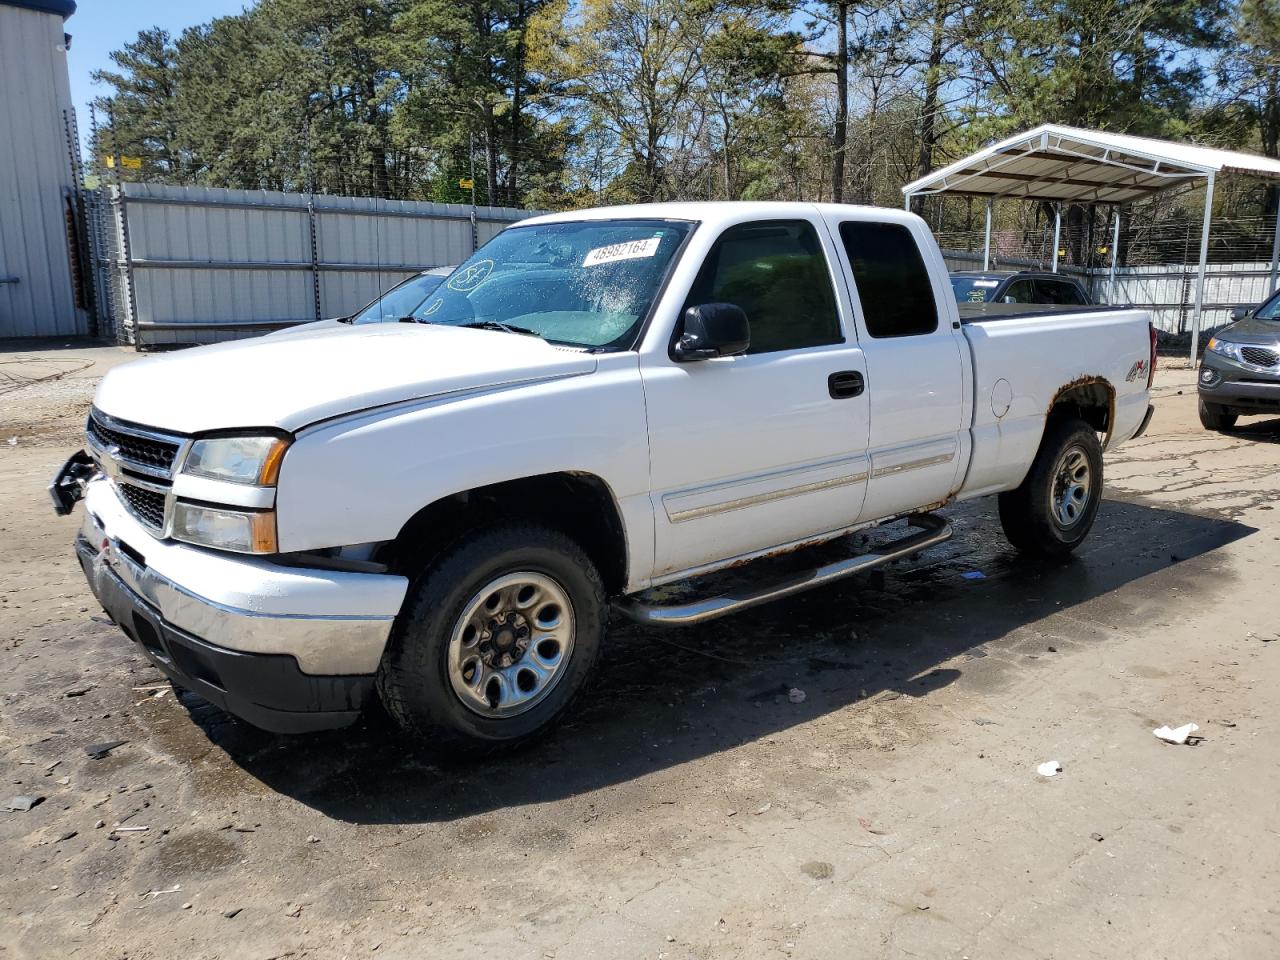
point(1240, 371)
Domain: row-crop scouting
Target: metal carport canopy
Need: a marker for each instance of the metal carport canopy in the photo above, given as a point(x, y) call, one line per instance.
point(1060, 164)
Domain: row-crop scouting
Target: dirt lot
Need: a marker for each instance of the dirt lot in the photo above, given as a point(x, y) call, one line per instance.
point(691, 809)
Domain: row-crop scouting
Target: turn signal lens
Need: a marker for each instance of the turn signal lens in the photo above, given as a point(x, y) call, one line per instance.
point(241, 531)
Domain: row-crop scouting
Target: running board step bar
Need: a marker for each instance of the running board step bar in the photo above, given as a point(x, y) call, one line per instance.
point(934, 530)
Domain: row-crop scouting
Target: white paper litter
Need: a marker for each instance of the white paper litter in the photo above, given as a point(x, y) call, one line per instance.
point(1050, 768)
point(1176, 734)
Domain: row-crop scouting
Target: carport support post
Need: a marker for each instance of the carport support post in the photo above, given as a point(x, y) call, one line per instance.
point(1204, 260)
point(986, 240)
point(1115, 256)
point(1057, 230)
point(1275, 253)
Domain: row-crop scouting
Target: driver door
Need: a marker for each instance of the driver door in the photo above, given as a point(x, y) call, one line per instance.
point(756, 451)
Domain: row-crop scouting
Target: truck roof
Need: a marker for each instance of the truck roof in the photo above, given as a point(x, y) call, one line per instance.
point(1001, 274)
point(722, 211)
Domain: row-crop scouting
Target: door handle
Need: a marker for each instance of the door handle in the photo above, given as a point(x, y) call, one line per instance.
point(845, 383)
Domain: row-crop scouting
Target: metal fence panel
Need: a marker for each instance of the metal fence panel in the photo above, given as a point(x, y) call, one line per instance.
point(1166, 290)
point(200, 264)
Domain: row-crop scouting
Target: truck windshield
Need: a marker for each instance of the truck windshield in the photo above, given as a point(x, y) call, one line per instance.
point(973, 289)
point(584, 283)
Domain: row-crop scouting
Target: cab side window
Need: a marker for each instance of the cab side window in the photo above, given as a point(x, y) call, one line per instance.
point(776, 272)
point(1020, 291)
point(892, 280)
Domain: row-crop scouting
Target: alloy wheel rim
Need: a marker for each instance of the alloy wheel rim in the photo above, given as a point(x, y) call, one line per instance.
point(511, 645)
point(1072, 487)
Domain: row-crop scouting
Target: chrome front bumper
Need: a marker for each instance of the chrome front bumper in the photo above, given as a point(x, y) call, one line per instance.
point(330, 622)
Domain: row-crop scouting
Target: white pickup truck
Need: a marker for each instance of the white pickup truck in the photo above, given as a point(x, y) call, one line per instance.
point(441, 514)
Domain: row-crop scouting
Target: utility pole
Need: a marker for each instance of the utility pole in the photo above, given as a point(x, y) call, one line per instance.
point(471, 153)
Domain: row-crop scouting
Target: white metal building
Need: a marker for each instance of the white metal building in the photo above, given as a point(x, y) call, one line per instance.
point(37, 204)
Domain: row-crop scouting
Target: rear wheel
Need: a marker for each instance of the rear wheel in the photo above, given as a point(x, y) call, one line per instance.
point(495, 641)
point(1214, 416)
point(1053, 510)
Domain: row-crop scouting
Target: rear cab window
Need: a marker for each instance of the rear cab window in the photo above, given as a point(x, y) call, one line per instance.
point(892, 280)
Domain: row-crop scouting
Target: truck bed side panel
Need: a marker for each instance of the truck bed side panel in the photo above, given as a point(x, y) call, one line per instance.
point(1022, 364)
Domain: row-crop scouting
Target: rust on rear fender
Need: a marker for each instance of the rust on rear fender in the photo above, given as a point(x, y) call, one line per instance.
point(1089, 380)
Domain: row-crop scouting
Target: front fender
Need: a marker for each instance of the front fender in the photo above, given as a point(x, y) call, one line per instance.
point(360, 478)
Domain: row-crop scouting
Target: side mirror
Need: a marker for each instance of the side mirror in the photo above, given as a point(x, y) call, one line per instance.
point(1008, 299)
point(712, 330)
point(1239, 313)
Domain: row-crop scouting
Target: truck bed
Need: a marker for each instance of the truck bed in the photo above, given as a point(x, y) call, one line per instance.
point(972, 312)
point(1024, 355)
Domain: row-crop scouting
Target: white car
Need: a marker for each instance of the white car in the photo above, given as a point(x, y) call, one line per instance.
point(397, 304)
point(441, 514)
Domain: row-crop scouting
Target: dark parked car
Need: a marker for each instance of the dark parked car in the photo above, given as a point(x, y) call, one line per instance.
point(1240, 370)
point(976, 286)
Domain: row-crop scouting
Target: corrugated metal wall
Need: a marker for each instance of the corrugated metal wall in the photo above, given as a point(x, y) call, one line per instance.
point(37, 297)
point(1169, 291)
point(198, 264)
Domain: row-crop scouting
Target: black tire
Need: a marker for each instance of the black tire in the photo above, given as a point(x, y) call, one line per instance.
point(1028, 514)
point(414, 677)
point(1214, 416)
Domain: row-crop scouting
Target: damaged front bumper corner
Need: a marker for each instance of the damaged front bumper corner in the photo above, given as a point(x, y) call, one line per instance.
point(288, 649)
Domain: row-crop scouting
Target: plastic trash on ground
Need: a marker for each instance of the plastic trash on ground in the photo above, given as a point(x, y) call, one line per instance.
point(1176, 734)
point(1050, 768)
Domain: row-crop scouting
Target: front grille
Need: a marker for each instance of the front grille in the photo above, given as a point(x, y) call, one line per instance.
point(146, 505)
point(136, 447)
point(1260, 356)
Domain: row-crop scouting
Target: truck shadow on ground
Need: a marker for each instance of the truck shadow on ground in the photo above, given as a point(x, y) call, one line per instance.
point(664, 698)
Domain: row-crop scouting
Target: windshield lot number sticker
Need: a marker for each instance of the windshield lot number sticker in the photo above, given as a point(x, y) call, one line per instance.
point(630, 250)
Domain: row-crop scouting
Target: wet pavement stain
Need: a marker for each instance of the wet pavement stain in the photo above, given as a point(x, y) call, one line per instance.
point(195, 853)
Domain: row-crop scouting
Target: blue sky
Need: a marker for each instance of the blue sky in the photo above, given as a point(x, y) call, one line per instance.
point(100, 26)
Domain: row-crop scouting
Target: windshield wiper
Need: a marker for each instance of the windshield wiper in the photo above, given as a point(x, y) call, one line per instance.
point(413, 319)
point(499, 325)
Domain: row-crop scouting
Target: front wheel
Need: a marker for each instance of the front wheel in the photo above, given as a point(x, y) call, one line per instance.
point(1053, 510)
point(1214, 416)
point(495, 641)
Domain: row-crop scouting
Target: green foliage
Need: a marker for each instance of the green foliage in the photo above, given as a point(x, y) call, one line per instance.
point(563, 103)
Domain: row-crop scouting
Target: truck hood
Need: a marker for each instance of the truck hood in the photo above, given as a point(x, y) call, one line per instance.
point(290, 382)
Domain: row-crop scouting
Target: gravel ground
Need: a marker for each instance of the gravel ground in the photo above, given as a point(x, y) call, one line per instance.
point(691, 809)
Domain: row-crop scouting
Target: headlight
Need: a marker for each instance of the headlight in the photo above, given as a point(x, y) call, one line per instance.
point(249, 460)
point(1226, 349)
point(244, 531)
